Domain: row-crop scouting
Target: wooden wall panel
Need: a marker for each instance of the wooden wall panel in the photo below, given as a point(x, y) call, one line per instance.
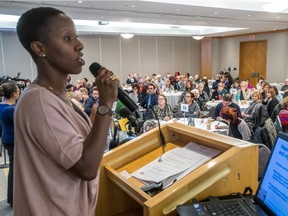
point(206, 58)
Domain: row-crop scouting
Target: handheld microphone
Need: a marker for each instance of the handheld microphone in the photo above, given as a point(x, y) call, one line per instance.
point(122, 96)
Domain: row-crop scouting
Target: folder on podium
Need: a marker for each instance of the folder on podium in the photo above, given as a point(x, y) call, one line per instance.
point(234, 169)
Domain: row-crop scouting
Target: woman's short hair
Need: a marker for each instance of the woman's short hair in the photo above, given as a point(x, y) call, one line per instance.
point(83, 90)
point(8, 89)
point(33, 25)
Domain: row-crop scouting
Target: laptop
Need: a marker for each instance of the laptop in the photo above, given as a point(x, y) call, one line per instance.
point(271, 197)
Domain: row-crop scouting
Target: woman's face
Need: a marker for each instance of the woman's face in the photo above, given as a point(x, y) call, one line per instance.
point(62, 47)
point(161, 100)
point(17, 93)
point(188, 98)
point(255, 97)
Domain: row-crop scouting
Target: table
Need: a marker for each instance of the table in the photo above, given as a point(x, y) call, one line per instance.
point(243, 105)
point(173, 97)
point(201, 123)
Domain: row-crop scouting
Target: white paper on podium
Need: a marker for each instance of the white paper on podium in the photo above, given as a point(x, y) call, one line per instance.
point(175, 164)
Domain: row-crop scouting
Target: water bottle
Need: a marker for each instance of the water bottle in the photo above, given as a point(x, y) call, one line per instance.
point(238, 96)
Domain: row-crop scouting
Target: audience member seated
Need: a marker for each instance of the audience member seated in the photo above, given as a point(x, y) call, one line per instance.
point(134, 95)
point(284, 88)
point(69, 90)
point(193, 107)
point(258, 85)
point(215, 83)
point(130, 80)
point(244, 92)
point(159, 81)
point(168, 87)
point(188, 88)
point(278, 95)
point(85, 95)
point(163, 110)
point(197, 78)
point(206, 86)
point(199, 102)
point(236, 85)
point(237, 127)
point(149, 125)
point(219, 92)
point(283, 117)
point(265, 86)
point(203, 96)
point(142, 91)
point(271, 102)
point(226, 102)
point(250, 86)
point(256, 114)
point(150, 100)
point(93, 99)
point(77, 98)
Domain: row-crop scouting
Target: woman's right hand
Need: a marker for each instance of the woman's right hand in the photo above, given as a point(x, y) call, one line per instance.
point(107, 85)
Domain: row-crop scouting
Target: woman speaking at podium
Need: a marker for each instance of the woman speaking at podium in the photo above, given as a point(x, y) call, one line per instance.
point(57, 150)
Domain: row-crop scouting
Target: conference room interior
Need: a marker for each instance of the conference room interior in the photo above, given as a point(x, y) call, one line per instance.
point(147, 54)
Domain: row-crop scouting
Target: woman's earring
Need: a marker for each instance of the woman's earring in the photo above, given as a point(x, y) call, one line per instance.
point(43, 55)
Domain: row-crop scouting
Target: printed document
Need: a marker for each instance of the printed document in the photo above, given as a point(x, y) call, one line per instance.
point(175, 164)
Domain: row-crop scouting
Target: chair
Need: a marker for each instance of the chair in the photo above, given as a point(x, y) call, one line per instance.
point(278, 124)
point(264, 154)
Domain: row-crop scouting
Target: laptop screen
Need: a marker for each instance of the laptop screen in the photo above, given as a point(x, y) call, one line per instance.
point(273, 190)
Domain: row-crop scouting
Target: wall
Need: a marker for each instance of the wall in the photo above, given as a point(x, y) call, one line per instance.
point(147, 55)
point(144, 55)
point(226, 53)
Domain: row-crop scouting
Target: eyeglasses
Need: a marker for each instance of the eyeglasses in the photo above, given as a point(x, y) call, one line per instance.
point(188, 96)
point(161, 99)
point(220, 86)
point(150, 88)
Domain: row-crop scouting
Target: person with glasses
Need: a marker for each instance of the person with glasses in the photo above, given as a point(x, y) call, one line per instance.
point(163, 110)
point(226, 102)
point(150, 100)
point(219, 92)
point(11, 94)
point(193, 107)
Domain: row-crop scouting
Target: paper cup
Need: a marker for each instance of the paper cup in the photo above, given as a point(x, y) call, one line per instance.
point(208, 126)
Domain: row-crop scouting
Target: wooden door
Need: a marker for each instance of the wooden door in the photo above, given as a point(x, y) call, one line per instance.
point(253, 58)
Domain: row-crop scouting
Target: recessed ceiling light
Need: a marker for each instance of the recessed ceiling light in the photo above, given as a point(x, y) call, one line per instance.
point(248, 15)
point(177, 9)
point(133, 6)
point(80, 1)
point(215, 12)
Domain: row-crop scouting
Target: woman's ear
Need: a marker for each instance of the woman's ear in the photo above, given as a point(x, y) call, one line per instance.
point(38, 48)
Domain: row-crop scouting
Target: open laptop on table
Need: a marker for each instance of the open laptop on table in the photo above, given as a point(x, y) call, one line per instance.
point(271, 197)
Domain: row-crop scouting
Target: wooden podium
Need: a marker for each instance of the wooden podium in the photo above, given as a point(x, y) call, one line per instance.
point(233, 170)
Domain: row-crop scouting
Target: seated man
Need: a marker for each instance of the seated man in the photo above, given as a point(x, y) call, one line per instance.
point(150, 100)
point(226, 101)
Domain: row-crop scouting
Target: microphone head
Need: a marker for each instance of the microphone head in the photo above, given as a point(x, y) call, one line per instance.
point(124, 112)
point(94, 68)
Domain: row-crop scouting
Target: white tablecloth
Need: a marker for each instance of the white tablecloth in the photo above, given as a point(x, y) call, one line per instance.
point(173, 97)
point(243, 106)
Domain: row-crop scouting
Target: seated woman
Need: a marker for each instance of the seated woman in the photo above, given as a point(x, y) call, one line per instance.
point(237, 127)
point(219, 92)
point(203, 96)
point(271, 102)
point(256, 114)
point(281, 124)
point(193, 107)
point(168, 87)
point(163, 110)
point(134, 94)
point(244, 93)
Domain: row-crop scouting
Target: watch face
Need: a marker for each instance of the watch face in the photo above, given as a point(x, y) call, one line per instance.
point(103, 110)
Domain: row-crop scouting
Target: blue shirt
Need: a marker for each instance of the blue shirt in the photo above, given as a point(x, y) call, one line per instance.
point(7, 123)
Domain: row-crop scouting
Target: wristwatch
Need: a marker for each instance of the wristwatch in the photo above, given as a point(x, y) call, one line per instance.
point(104, 110)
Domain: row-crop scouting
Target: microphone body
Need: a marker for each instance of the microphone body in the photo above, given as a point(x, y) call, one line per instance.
point(122, 96)
point(163, 141)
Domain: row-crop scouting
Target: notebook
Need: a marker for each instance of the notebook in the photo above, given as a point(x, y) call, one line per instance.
point(271, 197)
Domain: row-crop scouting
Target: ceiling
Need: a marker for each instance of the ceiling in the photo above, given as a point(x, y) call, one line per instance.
point(161, 18)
